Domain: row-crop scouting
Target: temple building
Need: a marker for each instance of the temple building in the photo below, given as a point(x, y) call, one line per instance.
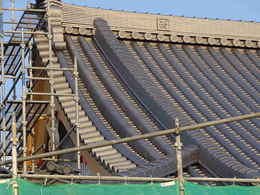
point(117, 74)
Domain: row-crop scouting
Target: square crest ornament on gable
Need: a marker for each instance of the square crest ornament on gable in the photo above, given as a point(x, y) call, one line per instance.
point(163, 24)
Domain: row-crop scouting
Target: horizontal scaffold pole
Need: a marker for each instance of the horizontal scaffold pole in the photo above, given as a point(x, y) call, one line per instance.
point(19, 22)
point(51, 94)
point(23, 9)
point(134, 138)
point(24, 32)
point(144, 179)
point(49, 68)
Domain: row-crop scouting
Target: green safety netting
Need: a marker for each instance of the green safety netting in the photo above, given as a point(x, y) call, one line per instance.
point(28, 188)
point(196, 189)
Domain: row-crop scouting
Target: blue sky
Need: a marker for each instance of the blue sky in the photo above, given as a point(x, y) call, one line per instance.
point(225, 9)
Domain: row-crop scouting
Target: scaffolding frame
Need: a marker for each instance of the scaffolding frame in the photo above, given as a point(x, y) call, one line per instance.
point(11, 51)
point(14, 67)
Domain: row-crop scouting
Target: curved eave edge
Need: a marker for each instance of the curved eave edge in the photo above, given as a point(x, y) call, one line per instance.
point(127, 25)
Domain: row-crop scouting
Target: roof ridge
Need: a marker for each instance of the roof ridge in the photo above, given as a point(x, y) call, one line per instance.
point(162, 14)
point(132, 25)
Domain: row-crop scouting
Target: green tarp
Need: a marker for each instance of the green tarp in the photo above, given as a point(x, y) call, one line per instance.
point(28, 188)
point(196, 189)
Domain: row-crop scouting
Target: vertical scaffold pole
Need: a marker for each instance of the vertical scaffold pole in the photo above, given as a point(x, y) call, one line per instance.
point(28, 3)
point(14, 155)
point(2, 106)
point(77, 108)
point(24, 123)
point(13, 19)
point(30, 70)
point(31, 98)
point(178, 146)
point(52, 103)
point(2, 92)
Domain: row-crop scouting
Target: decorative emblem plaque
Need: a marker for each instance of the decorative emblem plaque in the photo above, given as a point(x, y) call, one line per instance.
point(163, 24)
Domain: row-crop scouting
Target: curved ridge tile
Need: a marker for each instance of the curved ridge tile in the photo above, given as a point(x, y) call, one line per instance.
point(141, 83)
point(123, 101)
point(165, 166)
point(117, 121)
point(123, 84)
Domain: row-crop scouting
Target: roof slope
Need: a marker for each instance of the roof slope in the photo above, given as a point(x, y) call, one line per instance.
point(197, 84)
point(130, 86)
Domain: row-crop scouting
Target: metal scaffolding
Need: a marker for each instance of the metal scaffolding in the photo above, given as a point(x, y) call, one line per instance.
point(17, 72)
point(14, 53)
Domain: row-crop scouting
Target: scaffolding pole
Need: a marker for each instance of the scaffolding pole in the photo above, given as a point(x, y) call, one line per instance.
point(24, 123)
point(140, 179)
point(20, 32)
point(51, 94)
point(49, 68)
point(14, 155)
point(137, 137)
point(3, 103)
point(23, 9)
point(13, 19)
point(31, 100)
point(52, 102)
point(30, 70)
point(178, 146)
point(77, 109)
